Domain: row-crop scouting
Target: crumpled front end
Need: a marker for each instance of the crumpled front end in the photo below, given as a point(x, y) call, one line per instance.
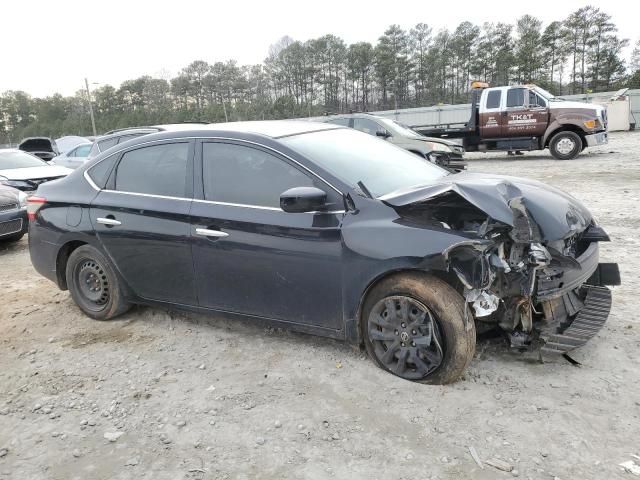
point(530, 264)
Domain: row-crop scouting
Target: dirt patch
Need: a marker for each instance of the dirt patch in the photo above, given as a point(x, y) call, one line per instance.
point(117, 335)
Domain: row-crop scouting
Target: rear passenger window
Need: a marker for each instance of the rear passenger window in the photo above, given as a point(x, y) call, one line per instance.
point(99, 173)
point(247, 176)
point(107, 143)
point(156, 170)
point(82, 151)
point(340, 121)
point(493, 99)
point(124, 138)
point(515, 97)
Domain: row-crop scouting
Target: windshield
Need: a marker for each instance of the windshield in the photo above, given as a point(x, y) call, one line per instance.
point(400, 128)
point(12, 159)
point(354, 157)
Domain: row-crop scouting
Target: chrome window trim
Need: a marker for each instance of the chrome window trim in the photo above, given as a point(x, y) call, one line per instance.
point(150, 142)
point(259, 207)
point(89, 179)
point(227, 204)
point(150, 195)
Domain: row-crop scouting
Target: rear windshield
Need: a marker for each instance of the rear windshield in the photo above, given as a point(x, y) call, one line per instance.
point(354, 157)
point(9, 160)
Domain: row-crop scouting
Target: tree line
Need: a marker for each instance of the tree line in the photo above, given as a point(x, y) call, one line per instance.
point(405, 68)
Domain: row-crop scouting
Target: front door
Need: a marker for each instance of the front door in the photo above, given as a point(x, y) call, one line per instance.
point(526, 114)
point(142, 220)
point(250, 257)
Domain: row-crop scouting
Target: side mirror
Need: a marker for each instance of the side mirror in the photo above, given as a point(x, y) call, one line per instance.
point(382, 133)
point(303, 199)
point(439, 158)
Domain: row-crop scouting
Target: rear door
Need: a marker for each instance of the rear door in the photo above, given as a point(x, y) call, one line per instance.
point(491, 113)
point(142, 220)
point(250, 257)
point(526, 114)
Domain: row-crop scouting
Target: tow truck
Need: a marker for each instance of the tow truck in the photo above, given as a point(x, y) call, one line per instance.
point(524, 118)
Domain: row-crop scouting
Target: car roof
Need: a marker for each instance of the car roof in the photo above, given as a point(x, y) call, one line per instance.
point(269, 128)
point(16, 150)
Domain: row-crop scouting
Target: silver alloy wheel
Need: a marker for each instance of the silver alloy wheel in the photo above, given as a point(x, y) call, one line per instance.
point(565, 146)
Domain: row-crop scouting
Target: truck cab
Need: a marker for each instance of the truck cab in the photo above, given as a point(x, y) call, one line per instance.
point(513, 112)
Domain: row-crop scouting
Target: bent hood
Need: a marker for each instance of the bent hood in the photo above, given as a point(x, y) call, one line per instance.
point(38, 144)
point(534, 210)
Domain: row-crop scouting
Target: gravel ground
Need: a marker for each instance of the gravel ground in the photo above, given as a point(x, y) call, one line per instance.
point(166, 395)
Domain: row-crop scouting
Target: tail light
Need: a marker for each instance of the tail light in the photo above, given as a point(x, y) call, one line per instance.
point(33, 205)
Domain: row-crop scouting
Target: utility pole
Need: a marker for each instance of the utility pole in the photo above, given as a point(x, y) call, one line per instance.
point(93, 120)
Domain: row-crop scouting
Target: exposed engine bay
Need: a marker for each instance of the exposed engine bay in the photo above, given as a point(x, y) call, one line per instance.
point(529, 263)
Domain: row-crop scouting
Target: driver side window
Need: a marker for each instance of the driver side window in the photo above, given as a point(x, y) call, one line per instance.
point(536, 100)
point(367, 126)
point(249, 176)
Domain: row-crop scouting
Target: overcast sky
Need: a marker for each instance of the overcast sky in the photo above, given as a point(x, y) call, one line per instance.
point(50, 46)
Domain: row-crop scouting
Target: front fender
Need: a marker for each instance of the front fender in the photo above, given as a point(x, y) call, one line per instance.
point(378, 242)
point(574, 119)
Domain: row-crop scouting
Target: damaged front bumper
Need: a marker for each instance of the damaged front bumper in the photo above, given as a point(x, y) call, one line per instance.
point(555, 301)
point(572, 331)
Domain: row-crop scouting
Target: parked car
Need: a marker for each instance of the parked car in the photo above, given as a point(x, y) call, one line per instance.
point(445, 153)
point(42, 147)
point(25, 172)
point(69, 142)
point(13, 214)
point(325, 230)
point(115, 137)
point(75, 157)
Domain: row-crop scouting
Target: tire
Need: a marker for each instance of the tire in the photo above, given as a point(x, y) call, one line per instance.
point(565, 145)
point(437, 344)
point(94, 285)
point(12, 238)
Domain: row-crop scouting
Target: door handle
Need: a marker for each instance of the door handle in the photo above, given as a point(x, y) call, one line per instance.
point(111, 222)
point(211, 233)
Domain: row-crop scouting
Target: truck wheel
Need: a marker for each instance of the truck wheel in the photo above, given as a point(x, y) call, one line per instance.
point(414, 327)
point(565, 145)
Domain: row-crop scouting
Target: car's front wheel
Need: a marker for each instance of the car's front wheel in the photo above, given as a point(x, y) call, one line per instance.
point(414, 326)
point(94, 285)
point(565, 145)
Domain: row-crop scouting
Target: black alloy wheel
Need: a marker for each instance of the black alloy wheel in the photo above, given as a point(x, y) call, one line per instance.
point(405, 336)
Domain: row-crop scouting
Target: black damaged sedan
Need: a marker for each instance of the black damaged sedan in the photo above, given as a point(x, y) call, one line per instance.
point(328, 231)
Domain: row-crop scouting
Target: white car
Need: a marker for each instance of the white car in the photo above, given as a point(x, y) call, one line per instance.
point(25, 172)
point(75, 157)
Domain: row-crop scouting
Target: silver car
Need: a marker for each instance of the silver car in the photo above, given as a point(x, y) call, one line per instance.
point(75, 157)
point(445, 153)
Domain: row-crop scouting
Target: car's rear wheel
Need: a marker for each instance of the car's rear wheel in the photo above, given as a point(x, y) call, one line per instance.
point(94, 285)
point(565, 145)
point(414, 326)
